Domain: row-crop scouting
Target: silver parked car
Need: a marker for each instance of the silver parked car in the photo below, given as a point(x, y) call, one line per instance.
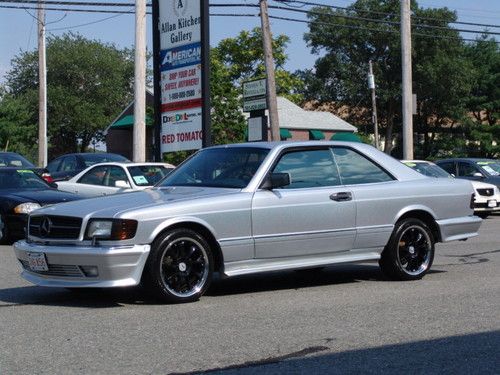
point(248, 208)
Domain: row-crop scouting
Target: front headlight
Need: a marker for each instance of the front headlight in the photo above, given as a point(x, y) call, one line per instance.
point(99, 228)
point(26, 208)
point(111, 229)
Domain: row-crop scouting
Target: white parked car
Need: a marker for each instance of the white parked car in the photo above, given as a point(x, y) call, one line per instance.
point(486, 196)
point(118, 177)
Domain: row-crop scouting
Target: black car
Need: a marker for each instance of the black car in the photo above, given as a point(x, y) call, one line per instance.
point(484, 170)
point(22, 191)
point(66, 166)
point(12, 159)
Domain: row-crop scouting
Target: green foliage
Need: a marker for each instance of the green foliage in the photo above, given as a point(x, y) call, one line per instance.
point(441, 74)
point(233, 61)
point(87, 82)
point(18, 132)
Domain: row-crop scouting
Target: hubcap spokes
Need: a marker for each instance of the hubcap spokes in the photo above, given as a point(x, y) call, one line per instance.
point(184, 267)
point(414, 250)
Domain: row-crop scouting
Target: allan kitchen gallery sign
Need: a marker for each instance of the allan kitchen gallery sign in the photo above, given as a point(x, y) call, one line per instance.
point(180, 38)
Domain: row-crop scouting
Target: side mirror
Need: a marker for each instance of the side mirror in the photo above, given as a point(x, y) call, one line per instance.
point(478, 175)
point(276, 180)
point(122, 184)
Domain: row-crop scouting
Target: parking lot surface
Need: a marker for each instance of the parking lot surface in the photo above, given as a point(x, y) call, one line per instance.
point(342, 319)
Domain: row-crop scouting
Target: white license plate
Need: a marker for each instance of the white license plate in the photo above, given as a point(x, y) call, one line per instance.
point(492, 203)
point(37, 262)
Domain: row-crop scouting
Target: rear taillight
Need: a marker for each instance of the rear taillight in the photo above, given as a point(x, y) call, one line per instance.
point(47, 177)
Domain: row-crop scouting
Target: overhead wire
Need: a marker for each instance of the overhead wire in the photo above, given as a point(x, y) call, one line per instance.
point(247, 15)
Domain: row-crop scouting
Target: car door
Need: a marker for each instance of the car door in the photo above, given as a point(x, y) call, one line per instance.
point(377, 193)
point(94, 182)
point(313, 215)
point(470, 171)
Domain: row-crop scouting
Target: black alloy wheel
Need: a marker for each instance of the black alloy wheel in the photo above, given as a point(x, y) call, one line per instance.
point(180, 266)
point(410, 251)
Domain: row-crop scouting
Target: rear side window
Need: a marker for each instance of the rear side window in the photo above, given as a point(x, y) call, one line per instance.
point(356, 169)
point(53, 166)
point(309, 168)
point(448, 166)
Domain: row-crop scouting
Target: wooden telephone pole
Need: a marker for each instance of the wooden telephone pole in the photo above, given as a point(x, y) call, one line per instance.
point(271, 82)
point(371, 85)
point(42, 89)
point(140, 82)
point(407, 80)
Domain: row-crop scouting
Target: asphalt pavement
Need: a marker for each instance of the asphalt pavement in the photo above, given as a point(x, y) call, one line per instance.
point(341, 320)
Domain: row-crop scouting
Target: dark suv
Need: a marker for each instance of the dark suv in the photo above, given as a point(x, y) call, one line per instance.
point(484, 170)
point(66, 166)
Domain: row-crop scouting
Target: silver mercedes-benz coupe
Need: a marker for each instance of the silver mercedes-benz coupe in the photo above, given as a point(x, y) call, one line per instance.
point(248, 208)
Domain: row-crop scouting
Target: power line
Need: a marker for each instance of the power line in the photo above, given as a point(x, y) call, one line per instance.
point(370, 29)
point(250, 15)
point(382, 13)
point(286, 2)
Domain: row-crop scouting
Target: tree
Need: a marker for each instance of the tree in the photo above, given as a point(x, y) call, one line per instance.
point(87, 82)
point(348, 44)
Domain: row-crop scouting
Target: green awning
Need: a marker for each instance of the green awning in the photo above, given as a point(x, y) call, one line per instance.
point(316, 135)
point(346, 136)
point(285, 133)
point(128, 121)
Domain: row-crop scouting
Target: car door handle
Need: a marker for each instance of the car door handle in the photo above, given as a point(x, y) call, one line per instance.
point(341, 197)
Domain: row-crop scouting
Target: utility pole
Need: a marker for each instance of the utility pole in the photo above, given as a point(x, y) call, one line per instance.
point(271, 82)
point(139, 154)
point(42, 89)
point(371, 85)
point(407, 80)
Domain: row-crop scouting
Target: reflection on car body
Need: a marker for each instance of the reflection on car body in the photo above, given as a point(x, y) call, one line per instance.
point(249, 208)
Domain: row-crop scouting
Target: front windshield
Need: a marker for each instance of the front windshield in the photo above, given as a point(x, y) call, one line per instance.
point(492, 167)
point(148, 175)
point(231, 167)
point(430, 170)
point(20, 179)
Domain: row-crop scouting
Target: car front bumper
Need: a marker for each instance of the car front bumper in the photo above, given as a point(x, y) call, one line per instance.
point(69, 266)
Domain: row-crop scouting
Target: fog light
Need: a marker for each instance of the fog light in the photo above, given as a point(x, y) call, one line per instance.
point(90, 271)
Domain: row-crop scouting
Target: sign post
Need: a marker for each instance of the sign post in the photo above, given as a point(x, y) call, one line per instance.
point(181, 74)
point(255, 102)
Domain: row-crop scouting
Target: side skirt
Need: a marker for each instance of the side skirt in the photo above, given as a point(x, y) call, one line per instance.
point(278, 264)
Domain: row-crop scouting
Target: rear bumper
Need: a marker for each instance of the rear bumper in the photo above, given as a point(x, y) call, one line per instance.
point(68, 265)
point(459, 228)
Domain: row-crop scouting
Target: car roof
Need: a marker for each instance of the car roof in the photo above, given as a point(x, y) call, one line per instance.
point(132, 164)
point(466, 159)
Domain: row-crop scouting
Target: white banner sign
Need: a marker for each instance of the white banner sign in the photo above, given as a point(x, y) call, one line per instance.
point(181, 74)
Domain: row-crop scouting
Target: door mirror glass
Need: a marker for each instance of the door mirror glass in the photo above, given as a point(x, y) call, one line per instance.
point(276, 180)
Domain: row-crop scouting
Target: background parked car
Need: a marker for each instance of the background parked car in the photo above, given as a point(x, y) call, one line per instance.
point(13, 159)
point(66, 166)
point(484, 170)
point(22, 191)
point(112, 178)
point(486, 196)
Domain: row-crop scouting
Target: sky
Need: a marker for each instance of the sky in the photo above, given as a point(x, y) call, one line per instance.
point(18, 28)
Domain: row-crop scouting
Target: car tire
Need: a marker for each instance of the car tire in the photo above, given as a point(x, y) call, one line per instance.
point(410, 251)
point(179, 268)
point(483, 215)
point(4, 236)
